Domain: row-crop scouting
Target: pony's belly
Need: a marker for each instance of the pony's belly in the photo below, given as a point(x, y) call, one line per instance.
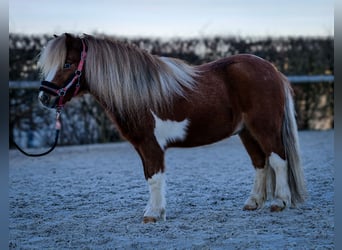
point(190, 132)
point(199, 134)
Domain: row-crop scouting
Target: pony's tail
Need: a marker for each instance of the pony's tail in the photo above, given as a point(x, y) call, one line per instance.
point(291, 144)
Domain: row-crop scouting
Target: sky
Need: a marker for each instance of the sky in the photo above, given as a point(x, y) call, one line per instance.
point(173, 18)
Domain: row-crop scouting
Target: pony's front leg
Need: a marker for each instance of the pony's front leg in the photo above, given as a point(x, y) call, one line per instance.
point(155, 208)
point(152, 157)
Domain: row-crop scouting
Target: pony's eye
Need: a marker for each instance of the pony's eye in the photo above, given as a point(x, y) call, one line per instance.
point(67, 66)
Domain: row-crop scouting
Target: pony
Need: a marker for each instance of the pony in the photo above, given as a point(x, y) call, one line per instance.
point(160, 102)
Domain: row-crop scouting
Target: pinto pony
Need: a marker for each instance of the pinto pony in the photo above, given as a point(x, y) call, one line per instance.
point(159, 102)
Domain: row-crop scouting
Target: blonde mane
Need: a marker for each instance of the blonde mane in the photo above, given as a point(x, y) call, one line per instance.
point(52, 57)
point(123, 77)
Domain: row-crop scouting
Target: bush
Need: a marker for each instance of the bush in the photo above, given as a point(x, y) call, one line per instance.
point(85, 121)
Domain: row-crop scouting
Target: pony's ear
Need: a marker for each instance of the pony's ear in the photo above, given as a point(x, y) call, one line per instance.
point(73, 42)
point(55, 36)
point(68, 40)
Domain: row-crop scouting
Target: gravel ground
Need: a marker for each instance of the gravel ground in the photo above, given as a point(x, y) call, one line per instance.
point(93, 196)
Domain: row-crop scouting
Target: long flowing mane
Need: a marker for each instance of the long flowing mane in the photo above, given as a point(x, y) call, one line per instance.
point(125, 77)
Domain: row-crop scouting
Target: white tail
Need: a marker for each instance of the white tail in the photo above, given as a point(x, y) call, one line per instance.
point(295, 174)
point(291, 144)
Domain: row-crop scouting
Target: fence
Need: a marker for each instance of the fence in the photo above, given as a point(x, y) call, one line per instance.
point(314, 101)
point(293, 79)
point(84, 121)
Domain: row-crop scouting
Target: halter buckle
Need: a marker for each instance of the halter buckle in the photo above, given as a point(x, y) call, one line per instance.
point(61, 92)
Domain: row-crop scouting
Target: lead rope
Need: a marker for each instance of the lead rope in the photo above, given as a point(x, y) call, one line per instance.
point(58, 128)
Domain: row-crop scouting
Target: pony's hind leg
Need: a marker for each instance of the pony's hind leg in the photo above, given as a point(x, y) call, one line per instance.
point(257, 196)
point(153, 161)
point(282, 193)
point(277, 186)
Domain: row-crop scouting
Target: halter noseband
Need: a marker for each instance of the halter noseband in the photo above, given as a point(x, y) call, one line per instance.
point(55, 90)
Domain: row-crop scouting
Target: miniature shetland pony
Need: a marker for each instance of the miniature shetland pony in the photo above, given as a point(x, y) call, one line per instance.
point(159, 102)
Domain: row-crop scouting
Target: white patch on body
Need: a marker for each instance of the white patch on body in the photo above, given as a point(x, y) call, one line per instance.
point(156, 205)
point(282, 191)
point(169, 131)
point(258, 194)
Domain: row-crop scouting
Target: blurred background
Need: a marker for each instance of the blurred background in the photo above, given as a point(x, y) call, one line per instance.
point(296, 36)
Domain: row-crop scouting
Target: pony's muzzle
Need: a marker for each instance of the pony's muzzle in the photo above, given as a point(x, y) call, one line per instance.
point(47, 100)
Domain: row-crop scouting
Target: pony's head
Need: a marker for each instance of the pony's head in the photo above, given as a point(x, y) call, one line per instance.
point(62, 64)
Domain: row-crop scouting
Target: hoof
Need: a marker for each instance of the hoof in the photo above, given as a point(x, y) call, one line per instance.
point(148, 219)
point(278, 206)
point(253, 203)
point(250, 208)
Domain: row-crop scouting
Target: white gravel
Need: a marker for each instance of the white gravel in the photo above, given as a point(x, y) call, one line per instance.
point(93, 196)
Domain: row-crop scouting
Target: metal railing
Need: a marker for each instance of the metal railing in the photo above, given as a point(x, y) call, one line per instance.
point(311, 79)
point(297, 79)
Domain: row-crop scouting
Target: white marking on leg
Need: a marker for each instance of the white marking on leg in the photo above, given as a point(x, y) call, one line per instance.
point(156, 205)
point(169, 131)
point(258, 194)
point(282, 191)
